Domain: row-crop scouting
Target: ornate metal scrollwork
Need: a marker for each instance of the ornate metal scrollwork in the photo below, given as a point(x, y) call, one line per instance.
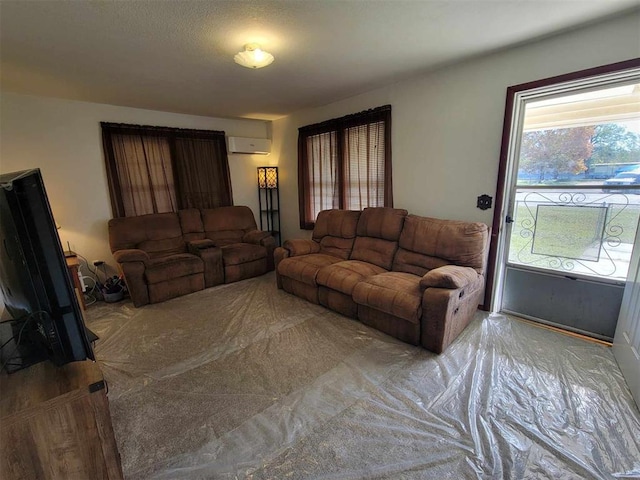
point(605, 264)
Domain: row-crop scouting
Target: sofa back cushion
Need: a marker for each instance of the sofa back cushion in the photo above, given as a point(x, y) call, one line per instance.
point(377, 235)
point(158, 234)
point(416, 263)
point(227, 225)
point(335, 230)
point(191, 224)
point(427, 243)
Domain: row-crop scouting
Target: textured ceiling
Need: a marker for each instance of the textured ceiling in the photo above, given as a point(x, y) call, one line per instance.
point(177, 56)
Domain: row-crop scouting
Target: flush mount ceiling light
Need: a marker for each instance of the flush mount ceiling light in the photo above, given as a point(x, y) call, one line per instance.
point(253, 56)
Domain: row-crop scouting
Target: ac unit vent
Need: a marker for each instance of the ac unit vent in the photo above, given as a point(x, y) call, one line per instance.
point(253, 146)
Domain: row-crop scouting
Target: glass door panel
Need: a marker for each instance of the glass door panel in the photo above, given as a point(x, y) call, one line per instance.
point(574, 210)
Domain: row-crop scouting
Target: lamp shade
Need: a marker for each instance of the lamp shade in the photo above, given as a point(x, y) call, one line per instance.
point(253, 57)
point(268, 177)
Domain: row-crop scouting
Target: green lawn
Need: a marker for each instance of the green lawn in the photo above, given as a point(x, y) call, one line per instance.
point(572, 232)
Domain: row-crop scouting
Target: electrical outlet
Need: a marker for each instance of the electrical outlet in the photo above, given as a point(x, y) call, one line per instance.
point(97, 263)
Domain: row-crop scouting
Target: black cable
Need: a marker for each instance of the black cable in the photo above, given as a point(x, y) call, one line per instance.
point(26, 321)
point(5, 343)
point(87, 262)
point(93, 271)
point(90, 291)
point(13, 337)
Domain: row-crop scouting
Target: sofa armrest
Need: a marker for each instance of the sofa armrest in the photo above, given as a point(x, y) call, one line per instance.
point(195, 245)
point(301, 246)
point(279, 254)
point(132, 264)
point(264, 239)
point(449, 276)
point(446, 312)
point(255, 236)
point(211, 256)
point(131, 255)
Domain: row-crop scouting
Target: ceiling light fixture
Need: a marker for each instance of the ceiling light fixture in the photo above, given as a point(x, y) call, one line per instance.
point(253, 56)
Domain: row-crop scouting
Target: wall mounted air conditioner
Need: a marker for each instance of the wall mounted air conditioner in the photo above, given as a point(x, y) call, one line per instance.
point(254, 146)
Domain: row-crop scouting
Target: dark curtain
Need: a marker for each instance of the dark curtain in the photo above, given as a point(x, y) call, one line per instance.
point(345, 163)
point(143, 171)
point(161, 169)
point(202, 173)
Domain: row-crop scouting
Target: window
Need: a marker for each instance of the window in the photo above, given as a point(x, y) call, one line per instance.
point(345, 163)
point(158, 169)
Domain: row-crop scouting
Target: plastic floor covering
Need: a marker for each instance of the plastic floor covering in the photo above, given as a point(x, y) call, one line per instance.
point(247, 381)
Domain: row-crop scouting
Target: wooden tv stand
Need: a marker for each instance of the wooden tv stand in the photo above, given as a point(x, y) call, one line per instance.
point(55, 424)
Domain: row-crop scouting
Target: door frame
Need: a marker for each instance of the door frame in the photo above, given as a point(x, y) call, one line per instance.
point(626, 342)
point(495, 255)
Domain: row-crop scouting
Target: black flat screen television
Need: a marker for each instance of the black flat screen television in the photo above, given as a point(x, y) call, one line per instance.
point(46, 321)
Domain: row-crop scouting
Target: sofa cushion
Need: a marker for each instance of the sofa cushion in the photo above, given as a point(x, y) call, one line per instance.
point(238, 253)
point(228, 218)
point(336, 246)
point(131, 255)
point(336, 223)
point(394, 293)
point(255, 236)
point(305, 268)
point(416, 263)
point(163, 247)
point(301, 246)
point(225, 237)
point(460, 243)
point(381, 222)
point(191, 224)
point(172, 266)
point(343, 276)
point(377, 236)
point(335, 231)
point(158, 234)
point(374, 250)
point(196, 245)
point(227, 225)
point(240, 271)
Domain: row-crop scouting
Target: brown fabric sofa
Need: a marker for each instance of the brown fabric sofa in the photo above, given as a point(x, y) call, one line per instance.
point(418, 279)
point(165, 255)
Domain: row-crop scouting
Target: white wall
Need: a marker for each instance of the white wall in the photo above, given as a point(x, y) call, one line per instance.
point(63, 139)
point(447, 124)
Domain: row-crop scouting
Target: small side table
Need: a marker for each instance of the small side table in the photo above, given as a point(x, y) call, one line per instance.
point(73, 264)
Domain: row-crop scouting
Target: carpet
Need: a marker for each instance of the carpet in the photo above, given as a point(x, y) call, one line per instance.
point(246, 381)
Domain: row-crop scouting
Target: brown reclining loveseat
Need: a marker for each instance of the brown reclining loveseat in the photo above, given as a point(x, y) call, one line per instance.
point(165, 255)
point(418, 279)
